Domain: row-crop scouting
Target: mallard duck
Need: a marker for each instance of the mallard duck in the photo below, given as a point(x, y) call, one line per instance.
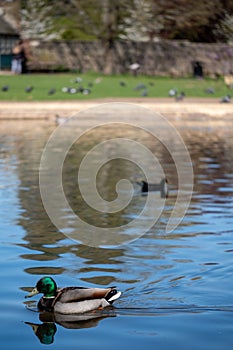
point(72, 300)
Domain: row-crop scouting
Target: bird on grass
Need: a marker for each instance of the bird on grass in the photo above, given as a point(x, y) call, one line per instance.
point(144, 93)
point(122, 83)
point(29, 89)
point(5, 88)
point(172, 92)
point(78, 80)
point(51, 91)
point(180, 97)
point(210, 91)
point(86, 91)
point(73, 91)
point(72, 300)
point(65, 89)
point(140, 87)
point(226, 99)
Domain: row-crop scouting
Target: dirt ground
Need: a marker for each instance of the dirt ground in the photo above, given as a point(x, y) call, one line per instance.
point(189, 110)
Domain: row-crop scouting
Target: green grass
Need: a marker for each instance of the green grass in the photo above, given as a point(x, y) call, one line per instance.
point(103, 86)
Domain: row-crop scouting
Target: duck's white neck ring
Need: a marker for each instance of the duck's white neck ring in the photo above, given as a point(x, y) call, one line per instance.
point(48, 297)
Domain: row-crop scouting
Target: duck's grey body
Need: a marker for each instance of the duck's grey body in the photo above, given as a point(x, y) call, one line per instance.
point(80, 307)
point(79, 300)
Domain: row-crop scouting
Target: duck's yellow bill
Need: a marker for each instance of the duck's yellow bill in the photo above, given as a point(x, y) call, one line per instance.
point(33, 292)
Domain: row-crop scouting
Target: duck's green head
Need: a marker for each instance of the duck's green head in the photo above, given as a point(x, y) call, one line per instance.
point(45, 285)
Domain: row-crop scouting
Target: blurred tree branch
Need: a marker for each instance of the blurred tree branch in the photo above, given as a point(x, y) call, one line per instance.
point(110, 20)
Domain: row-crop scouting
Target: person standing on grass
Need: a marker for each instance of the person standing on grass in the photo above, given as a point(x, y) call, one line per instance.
point(18, 58)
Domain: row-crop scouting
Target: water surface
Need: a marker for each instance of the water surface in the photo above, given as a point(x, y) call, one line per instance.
point(177, 287)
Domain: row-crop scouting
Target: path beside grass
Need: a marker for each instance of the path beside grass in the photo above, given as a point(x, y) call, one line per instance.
point(194, 110)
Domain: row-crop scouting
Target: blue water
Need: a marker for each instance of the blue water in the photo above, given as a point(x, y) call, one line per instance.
point(177, 288)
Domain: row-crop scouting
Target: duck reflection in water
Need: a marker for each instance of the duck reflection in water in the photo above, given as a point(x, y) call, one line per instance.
point(46, 330)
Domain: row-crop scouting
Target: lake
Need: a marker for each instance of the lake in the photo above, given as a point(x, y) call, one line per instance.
point(177, 287)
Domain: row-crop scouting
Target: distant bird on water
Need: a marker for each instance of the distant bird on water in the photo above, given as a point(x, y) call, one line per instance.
point(160, 187)
point(60, 119)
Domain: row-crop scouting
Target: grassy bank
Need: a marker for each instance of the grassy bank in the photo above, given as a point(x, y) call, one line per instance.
point(93, 86)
